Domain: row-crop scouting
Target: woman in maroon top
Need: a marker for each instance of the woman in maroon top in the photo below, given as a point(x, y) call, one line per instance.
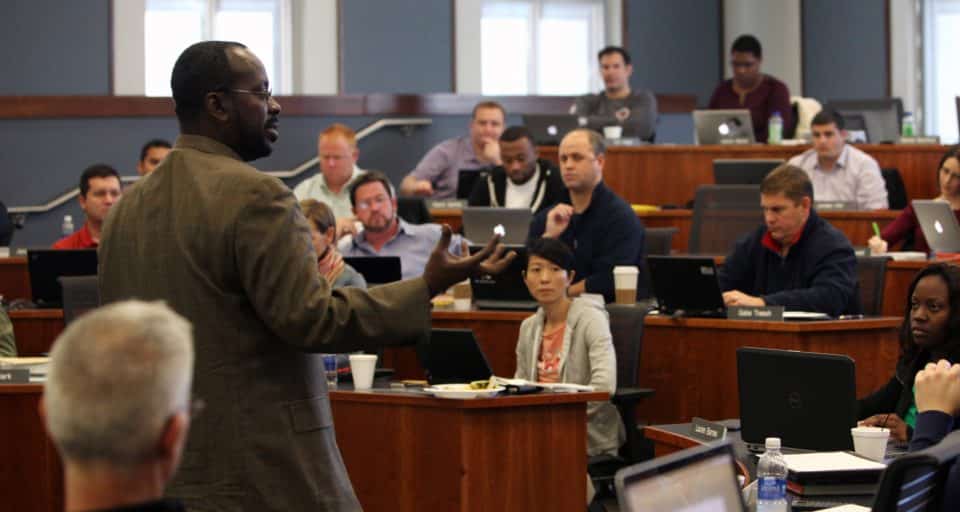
point(948, 174)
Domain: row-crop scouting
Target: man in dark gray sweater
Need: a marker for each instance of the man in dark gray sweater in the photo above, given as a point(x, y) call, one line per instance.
point(617, 104)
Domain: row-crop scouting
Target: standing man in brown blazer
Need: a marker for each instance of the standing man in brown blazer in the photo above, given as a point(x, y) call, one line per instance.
point(227, 247)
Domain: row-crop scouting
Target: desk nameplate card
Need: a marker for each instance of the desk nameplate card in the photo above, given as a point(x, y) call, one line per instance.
point(14, 376)
point(443, 204)
point(708, 431)
point(761, 313)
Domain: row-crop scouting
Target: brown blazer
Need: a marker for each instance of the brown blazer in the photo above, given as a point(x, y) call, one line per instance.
point(227, 247)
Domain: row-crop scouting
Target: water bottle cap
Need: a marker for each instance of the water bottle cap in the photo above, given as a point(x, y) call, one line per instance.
point(908, 113)
point(68, 217)
point(773, 443)
point(776, 113)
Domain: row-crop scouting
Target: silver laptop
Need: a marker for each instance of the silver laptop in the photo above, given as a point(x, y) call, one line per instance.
point(480, 221)
point(939, 225)
point(722, 127)
point(548, 129)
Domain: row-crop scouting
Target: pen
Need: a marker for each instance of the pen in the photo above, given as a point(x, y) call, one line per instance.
point(876, 229)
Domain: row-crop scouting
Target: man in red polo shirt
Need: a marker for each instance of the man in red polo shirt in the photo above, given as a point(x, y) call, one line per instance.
point(99, 190)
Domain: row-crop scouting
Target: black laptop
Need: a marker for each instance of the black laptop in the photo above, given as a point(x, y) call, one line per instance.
point(742, 171)
point(806, 399)
point(686, 286)
point(47, 266)
point(699, 478)
point(466, 178)
point(453, 356)
point(376, 269)
point(506, 290)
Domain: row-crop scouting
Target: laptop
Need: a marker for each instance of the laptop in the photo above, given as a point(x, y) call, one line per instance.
point(722, 127)
point(939, 225)
point(547, 130)
point(453, 356)
point(806, 399)
point(47, 266)
point(478, 223)
point(687, 286)
point(695, 479)
point(742, 171)
point(506, 290)
point(466, 178)
point(376, 269)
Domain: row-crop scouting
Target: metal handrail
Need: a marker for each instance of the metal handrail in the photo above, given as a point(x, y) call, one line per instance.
point(296, 171)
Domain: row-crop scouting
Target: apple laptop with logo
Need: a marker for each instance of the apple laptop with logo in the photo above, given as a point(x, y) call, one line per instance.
point(693, 480)
point(480, 221)
point(939, 225)
point(722, 127)
point(549, 129)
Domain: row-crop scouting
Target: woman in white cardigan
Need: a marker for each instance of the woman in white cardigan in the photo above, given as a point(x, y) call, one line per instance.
point(568, 340)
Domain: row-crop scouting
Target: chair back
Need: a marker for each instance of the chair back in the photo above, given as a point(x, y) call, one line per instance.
point(721, 215)
point(871, 274)
point(80, 294)
point(6, 227)
point(659, 241)
point(896, 190)
point(413, 210)
point(919, 481)
point(626, 326)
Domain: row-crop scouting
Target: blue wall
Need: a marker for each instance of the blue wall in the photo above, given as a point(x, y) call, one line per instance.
point(844, 49)
point(53, 47)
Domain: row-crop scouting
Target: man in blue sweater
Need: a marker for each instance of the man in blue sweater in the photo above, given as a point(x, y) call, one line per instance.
point(796, 259)
point(599, 226)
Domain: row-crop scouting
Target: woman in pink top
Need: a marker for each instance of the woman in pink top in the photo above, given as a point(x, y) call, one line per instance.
point(568, 340)
point(948, 175)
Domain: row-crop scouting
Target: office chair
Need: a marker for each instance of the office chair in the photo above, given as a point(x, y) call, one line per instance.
point(659, 241)
point(871, 276)
point(626, 326)
point(80, 294)
point(918, 481)
point(6, 226)
point(896, 190)
point(721, 215)
point(413, 210)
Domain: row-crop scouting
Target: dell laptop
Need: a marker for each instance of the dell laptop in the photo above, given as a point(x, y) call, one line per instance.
point(453, 356)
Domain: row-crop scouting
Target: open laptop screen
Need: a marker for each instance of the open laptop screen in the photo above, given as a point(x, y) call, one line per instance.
point(47, 266)
point(702, 479)
point(453, 356)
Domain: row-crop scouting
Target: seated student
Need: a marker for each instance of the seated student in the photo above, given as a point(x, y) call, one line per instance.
point(750, 89)
point(906, 224)
point(99, 190)
point(8, 346)
point(839, 171)
point(930, 332)
point(323, 233)
point(151, 155)
point(117, 405)
point(523, 181)
point(600, 226)
point(938, 405)
point(385, 233)
point(568, 340)
point(437, 173)
point(618, 104)
point(795, 259)
point(337, 153)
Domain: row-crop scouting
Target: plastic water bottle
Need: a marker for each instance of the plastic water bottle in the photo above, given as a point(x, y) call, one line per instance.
point(775, 129)
point(772, 479)
point(67, 227)
point(906, 127)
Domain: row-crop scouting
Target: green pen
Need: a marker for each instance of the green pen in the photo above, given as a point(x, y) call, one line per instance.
point(876, 229)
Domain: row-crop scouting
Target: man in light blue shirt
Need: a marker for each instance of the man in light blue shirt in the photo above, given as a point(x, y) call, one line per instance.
point(839, 171)
point(337, 153)
point(386, 234)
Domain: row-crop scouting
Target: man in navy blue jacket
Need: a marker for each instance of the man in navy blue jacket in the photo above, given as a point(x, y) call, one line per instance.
point(598, 225)
point(796, 259)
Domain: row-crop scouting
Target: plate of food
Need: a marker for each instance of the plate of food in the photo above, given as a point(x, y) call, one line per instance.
point(464, 391)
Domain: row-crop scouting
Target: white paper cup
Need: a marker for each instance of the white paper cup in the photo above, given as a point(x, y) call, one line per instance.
point(870, 442)
point(362, 366)
point(625, 283)
point(4, 252)
point(612, 132)
point(461, 304)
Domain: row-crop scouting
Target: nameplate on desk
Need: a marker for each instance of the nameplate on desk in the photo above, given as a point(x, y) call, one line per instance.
point(708, 431)
point(446, 204)
point(15, 376)
point(925, 139)
point(828, 206)
point(761, 313)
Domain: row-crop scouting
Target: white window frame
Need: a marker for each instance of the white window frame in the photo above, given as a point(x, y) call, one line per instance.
point(932, 110)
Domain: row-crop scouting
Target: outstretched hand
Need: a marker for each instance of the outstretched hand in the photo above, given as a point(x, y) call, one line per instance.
point(443, 269)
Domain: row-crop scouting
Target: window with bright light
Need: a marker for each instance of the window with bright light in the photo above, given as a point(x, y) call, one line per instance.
point(941, 76)
point(170, 26)
point(540, 46)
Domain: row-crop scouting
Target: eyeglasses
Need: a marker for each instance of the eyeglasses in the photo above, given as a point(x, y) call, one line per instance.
point(264, 95)
point(375, 201)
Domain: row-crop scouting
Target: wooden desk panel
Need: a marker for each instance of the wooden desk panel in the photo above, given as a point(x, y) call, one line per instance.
point(666, 174)
point(692, 362)
point(36, 329)
point(505, 453)
point(14, 278)
point(31, 477)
